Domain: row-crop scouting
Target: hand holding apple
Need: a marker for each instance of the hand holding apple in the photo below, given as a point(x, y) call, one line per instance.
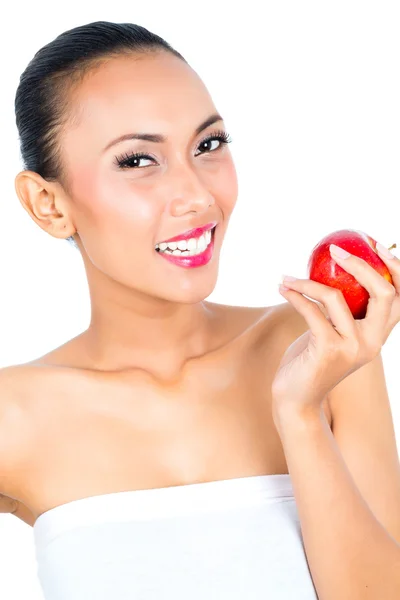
point(336, 346)
point(324, 269)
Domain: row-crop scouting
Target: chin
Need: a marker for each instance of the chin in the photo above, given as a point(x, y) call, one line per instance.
point(188, 292)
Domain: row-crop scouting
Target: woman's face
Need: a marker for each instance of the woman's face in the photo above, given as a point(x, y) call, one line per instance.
point(121, 213)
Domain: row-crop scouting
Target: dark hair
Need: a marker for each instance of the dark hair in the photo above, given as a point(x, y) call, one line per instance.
point(41, 100)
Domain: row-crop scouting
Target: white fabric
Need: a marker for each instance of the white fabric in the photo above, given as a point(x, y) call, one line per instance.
point(235, 539)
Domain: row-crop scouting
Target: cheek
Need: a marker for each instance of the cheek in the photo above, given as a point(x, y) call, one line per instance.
point(116, 224)
point(109, 206)
point(226, 187)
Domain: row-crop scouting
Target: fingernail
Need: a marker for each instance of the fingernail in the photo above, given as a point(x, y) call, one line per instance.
point(384, 251)
point(339, 252)
point(288, 278)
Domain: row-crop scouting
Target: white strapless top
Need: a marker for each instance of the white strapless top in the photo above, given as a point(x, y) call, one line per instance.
point(231, 539)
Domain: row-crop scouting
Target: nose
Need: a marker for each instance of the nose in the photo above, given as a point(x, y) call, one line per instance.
point(190, 193)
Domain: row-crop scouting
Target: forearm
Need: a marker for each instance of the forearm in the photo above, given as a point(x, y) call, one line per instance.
point(350, 554)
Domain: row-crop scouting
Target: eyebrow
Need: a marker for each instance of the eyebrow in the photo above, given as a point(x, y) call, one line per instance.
point(157, 137)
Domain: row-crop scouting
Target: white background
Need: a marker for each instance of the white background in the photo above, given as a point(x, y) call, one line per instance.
point(310, 93)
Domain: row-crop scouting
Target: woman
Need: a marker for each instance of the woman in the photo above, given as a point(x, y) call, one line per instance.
point(181, 447)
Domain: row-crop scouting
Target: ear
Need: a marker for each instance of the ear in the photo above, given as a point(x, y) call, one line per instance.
point(44, 203)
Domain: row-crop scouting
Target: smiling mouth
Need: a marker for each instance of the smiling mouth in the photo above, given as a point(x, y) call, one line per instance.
point(194, 248)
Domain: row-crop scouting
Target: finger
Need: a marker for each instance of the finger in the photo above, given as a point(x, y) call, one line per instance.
point(319, 326)
point(392, 263)
point(381, 292)
point(333, 301)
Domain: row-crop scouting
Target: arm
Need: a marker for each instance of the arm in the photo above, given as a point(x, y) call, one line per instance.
point(353, 552)
point(351, 555)
point(346, 484)
point(8, 377)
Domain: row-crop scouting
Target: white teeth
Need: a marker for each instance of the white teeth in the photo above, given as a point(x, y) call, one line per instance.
point(186, 247)
point(191, 244)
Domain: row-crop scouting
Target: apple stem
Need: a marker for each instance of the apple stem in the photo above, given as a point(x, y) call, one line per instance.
point(392, 246)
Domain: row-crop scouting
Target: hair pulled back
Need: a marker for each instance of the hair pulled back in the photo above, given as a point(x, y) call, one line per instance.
point(41, 100)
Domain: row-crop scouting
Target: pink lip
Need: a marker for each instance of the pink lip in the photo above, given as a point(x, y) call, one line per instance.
point(192, 261)
point(190, 234)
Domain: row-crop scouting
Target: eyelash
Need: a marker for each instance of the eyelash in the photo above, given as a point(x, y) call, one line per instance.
point(124, 160)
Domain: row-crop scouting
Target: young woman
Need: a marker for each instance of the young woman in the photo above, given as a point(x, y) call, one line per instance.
point(178, 447)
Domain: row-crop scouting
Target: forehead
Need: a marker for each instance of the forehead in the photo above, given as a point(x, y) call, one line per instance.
point(150, 94)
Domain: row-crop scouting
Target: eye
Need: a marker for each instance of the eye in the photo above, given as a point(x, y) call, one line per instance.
point(132, 160)
point(220, 136)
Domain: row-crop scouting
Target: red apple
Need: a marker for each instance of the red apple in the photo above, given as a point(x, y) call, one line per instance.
point(322, 267)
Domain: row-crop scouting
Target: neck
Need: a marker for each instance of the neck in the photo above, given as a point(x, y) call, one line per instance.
point(151, 338)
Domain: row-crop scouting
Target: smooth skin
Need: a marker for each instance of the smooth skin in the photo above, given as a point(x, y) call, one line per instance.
point(150, 324)
point(163, 388)
point(141, 304)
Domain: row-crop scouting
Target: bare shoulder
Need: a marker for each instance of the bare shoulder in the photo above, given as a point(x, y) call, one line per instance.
point(275, 326)
point(290, 323)
point(10, 376)
point(15, 378)
point(21, 389)
point(280, 325)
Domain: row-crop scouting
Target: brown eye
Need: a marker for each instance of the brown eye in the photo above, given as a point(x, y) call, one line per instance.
point(221, 136)
point(130, 161)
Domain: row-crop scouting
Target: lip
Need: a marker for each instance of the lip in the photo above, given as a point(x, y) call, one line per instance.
point(192, 233)
point(199, 260)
